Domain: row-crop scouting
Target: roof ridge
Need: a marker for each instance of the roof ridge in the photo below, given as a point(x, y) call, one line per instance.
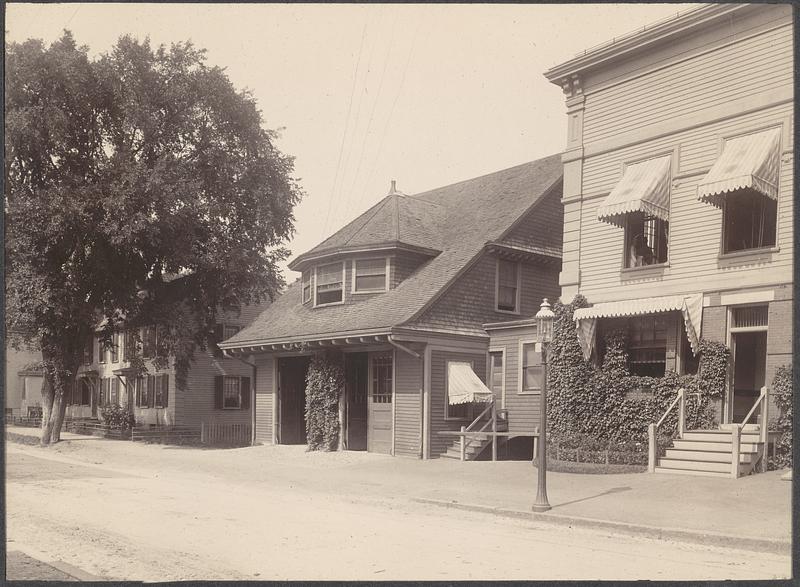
point(375, 209)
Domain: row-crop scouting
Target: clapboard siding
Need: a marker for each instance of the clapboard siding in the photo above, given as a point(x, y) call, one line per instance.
point(470, 302)
point(732, 72)
point(195, 403)
point(695, 227)
point(438, 391)
point(408, 402)
point(265, 388)
point(523, 409)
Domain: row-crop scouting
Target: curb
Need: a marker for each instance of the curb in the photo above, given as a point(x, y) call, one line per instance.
point(781, 547)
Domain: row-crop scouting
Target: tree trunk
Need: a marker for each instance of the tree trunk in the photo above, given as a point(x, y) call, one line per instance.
point(59, 410)
point(48, 399)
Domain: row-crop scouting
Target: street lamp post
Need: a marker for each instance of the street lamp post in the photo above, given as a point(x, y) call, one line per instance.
point(544, 334)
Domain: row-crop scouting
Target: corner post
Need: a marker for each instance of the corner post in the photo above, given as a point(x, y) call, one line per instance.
point(681, 411)
point(494, 430)
point(463, 443)
point(735, 448)
point(764, 432)
point(651, 448)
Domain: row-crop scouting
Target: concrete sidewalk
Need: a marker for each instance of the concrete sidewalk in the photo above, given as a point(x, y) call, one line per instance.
point(752, 512)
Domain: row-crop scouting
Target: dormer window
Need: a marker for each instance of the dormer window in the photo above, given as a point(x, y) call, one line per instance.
point(306, 286)
point(507, 291)
point(370, 275)
point(329, 281)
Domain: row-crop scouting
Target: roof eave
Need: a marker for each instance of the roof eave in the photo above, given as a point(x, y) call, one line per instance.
point(302, 261)
point(639, 40)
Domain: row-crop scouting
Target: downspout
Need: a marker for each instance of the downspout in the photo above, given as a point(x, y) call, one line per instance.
point(227, 354)
point(403, 348)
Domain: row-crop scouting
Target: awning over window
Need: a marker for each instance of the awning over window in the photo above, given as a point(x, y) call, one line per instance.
point(644, 187)
point(691, 306)
point(464, 386)
point(749, 161)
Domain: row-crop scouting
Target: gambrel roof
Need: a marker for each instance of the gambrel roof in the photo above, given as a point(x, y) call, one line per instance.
point(453, 224)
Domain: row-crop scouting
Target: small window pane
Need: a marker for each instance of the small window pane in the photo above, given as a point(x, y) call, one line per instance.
point(531, 368)
point(376, 282)
point(231, 397)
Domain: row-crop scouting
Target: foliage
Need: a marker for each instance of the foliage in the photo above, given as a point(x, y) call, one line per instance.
point(118, 418)
point(607, 405)
point(782, 392)
point(585, 448)
point(324, 386)
point(122, 173)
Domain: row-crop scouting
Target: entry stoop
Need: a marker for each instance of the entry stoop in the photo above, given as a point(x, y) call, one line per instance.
point(710, 452)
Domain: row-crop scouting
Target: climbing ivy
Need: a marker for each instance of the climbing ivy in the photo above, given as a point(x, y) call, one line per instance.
point(782, 391)
point(324, 386)
point(608, 404)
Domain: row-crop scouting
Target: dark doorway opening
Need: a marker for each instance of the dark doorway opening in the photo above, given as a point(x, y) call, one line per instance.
point(749, 372)
point(292, 393)
point(356, 370)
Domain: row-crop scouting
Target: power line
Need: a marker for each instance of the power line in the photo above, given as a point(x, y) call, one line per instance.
point(346, 124)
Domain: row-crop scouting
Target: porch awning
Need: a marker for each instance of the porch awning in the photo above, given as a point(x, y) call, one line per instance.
point(644, 187)
point(691, 306)
point(464, 386)
point(749, 161)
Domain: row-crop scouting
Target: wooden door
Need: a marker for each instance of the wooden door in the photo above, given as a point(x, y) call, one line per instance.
point(292, 391)
point(379, 419)
point(356, 386)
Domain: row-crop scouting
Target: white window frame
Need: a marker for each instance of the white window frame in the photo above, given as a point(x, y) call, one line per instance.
point(521, 365)
point(516, 311)
point(310, 273)
point(385, 287)
point(316, 281)
point(238, 379)
point(502, 351)
point(447, 363)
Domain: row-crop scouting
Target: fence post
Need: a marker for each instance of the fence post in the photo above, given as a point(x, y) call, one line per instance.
point(681, 411)
point(463, 446)
point(652, 449)
point(494, 431)
point(735, 432)
point(764, 433)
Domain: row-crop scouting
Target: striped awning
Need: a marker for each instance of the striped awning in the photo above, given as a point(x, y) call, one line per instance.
point(464, 386)
point(691, 306)
point(644, 187)
point(749, 161)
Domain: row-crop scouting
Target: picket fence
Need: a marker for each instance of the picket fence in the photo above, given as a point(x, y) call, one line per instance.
point(216, 434)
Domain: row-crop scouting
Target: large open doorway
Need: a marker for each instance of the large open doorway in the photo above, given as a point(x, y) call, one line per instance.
point(292, 403)
point(356, 369)
point(747, 326)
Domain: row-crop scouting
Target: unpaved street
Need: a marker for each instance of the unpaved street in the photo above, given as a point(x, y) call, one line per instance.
point(145, 520)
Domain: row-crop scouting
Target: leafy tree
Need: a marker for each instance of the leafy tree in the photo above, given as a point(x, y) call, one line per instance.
point(122, 173)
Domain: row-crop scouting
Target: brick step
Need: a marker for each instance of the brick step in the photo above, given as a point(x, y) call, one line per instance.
point(707, 456)
point(715, 446)
point(718, 436)
point(691, 472)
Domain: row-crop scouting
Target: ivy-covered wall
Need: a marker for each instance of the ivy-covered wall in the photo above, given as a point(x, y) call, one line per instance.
point(610, 405)
point(782, 392)
point(324, 386)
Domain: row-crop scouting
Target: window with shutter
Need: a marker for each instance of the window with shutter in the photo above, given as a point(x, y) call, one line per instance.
point(231, 396)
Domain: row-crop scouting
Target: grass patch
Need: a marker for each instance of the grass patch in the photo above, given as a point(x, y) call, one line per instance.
point(592, 468)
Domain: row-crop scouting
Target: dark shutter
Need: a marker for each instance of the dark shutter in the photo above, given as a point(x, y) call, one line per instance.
point(244, 390)
point(218, 392)
point(151, 397)
point(165, 390)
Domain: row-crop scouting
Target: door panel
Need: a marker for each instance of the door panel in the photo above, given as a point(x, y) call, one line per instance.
point(356, 378)
point(292, 389)
point(379, 437)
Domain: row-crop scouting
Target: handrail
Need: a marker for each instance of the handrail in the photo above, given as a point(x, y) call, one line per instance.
point(652, 429)
point(758, 401)
point(763, 436)
point(475, 421)
point(465, 430)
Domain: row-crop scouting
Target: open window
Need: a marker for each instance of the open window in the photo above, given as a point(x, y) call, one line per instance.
point(329, 282)
point(750, 220)
point(645, 240)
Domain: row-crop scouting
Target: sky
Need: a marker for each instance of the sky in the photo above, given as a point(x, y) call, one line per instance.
point(362, 94)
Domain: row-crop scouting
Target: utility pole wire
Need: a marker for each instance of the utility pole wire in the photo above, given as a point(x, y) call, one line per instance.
point(346, 124)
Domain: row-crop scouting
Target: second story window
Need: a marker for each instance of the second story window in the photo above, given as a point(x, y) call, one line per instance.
point(507, 293)
point(750, 220)
point(149, 342)
point(329, 284)
point(115, 338)
point(369, 275)
point(306, 286)
point(645, 240)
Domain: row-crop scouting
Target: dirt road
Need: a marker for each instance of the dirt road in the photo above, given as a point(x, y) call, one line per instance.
point(144, 519)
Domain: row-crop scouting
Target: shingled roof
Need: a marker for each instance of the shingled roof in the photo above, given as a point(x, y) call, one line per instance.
point(458, 220)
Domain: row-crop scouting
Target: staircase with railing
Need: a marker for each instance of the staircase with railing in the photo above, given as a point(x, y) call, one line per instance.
point(732, 450)
point(487, 428)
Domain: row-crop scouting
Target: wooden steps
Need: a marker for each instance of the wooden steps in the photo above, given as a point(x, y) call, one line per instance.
point(710, 452)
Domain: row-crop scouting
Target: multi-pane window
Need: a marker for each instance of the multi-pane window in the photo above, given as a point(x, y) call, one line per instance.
point(231, 393)
point(228, 330)
point(647, 344)
point(496, 373)
point(646, 240)
point(382, 379)
point(129, 348)
point(530, 368)
point(750, 221)
point(307, 286)
point(114, 391)
point(507, 286)
point(142, 387)
point(369, 275)
point(115, 338)
point(329, 284)
point(160, 392)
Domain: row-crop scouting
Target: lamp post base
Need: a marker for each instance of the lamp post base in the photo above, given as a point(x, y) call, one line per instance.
point(541, 507)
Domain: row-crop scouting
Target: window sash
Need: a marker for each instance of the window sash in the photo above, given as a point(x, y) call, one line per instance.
point(369, 274)
point(382, 380)
point(531, 367)
point(507, 285)
point(330, 274)
point(231, 392)
point(306, 282)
